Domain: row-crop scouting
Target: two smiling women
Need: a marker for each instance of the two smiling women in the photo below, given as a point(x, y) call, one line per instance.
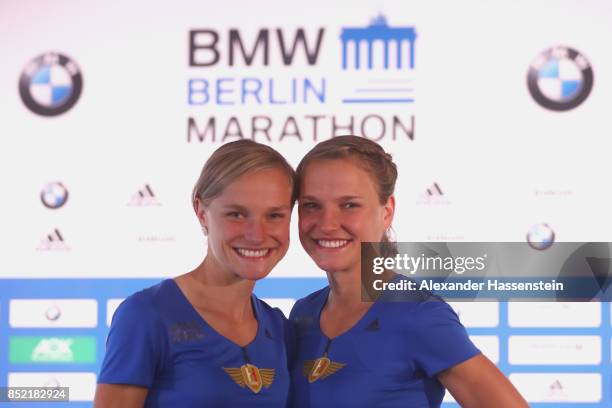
point(204, 338)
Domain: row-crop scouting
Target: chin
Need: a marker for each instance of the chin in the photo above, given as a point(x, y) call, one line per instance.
point(256, 277)
point(332, 266)
point(253, 275)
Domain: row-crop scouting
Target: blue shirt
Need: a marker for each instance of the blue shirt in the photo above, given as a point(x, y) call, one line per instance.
point(159, 341)
point(389, 358)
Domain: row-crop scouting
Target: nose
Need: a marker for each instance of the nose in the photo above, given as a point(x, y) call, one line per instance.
point(328, 222)
point(255, 231)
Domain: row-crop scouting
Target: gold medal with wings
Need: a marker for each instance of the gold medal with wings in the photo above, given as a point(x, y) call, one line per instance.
point(250, 376)
point(321, 368)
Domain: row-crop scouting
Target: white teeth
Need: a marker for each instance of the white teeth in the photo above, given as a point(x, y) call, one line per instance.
point(332, 244)
point(252, 253)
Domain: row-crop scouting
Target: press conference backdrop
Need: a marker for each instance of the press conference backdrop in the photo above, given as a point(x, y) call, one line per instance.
point(497, 114)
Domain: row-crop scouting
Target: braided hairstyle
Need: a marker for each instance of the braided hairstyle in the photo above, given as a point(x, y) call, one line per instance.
point(365, 153)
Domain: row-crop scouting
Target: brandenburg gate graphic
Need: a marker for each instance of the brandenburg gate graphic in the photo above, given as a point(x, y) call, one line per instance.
point(376, 31)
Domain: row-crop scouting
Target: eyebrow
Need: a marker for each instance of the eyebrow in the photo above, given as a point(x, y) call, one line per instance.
point(347, 197)
point(281, 208)
point(245, 209)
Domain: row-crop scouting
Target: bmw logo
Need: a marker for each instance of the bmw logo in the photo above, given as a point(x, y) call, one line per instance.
point(560, 79)
point(53, 313)
point(50, 84)
point(540, 237)
point(54, 195)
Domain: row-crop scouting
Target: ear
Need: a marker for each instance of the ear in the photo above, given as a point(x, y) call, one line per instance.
point(389, 211)
point(200, 210)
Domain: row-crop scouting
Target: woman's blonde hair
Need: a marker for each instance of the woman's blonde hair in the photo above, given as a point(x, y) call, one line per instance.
point(231, 161)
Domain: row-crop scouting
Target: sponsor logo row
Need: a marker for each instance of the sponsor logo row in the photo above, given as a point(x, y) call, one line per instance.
point(83, 313)
point(558, 350)
point(54, 195)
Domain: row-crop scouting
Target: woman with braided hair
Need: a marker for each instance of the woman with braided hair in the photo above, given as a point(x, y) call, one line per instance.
point(352, 353)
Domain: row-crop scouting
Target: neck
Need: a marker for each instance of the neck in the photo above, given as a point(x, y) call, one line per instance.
point(220, 291)
point(345, 289)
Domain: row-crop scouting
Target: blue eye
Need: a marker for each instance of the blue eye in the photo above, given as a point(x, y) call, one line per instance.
point(309, 205)
point(234, 214)
point(350, 205)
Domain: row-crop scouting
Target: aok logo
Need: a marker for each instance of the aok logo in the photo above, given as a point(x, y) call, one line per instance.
point(53, 350)
point(207, 48)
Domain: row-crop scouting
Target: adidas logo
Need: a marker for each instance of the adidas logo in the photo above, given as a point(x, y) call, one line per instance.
point(53, 242)
point(433, 195)
point(373, 326)
point(434, 190)
point(556, 386)
point(144, 198)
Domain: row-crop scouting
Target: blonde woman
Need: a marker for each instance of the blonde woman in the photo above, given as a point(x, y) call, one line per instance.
point(203, 339)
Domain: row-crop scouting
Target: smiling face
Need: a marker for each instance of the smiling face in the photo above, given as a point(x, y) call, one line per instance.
point(339, 208)
point(248, 223)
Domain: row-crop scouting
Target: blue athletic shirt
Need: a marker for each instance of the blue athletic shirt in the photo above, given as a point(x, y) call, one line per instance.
point(389, 358)
point(158, 340)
